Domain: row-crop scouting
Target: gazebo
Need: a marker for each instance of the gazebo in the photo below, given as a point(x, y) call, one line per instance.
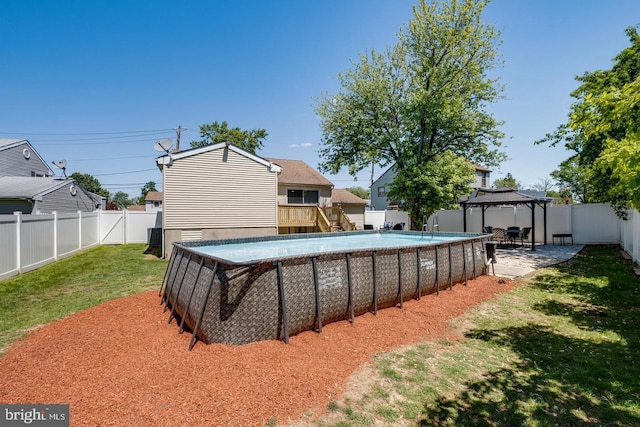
point(508, 197)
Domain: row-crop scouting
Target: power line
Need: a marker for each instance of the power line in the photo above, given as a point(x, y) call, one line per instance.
point(124, 185)
point(100, 138)
point(87, 133)
point(61, 142)
point(110, 158)
point(123, 173)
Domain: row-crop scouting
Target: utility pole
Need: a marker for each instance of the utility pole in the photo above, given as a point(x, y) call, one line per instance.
point(178, 130)
point(373, 165)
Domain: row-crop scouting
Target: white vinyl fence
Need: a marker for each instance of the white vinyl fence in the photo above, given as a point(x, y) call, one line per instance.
point(593, 223)
point(28, 242)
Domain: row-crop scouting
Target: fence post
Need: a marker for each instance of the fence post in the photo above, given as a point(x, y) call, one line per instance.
point(99, 227)
point(18, 238)
point(55, 235)
point(80, 230)
point(125, 229)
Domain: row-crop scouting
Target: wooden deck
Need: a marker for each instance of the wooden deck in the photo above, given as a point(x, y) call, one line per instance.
point(324, 220)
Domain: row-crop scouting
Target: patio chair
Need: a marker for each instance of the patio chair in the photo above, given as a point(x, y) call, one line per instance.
point(524, 235)
point(488, 229)
point(499, 234)
point(399, 226)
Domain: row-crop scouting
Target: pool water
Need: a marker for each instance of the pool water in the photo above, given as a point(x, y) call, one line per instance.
point(254, 251)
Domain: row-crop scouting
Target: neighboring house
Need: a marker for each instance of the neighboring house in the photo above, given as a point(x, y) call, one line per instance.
point(380, 187)
point(136, 208)
point(153, 201)
point(19, 158)
point(352, 205)
point(33, 195)
point(217, 192)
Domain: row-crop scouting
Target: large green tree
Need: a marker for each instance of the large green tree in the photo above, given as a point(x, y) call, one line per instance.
point(363, 193)
point(121, 200)
point(572, 180)
point(447, 178)
point(419, 99)
point(248, 140)
point(89, 183)
point(507, 181)
point(604, 132)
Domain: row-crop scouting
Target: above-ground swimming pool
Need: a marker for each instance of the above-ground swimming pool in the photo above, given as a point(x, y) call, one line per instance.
point(244, 290)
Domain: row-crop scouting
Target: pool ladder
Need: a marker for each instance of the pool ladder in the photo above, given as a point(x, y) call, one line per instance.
point(425, 224)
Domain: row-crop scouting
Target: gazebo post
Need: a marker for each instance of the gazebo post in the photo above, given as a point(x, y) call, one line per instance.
point(484, 209)
point(533, 226)
point(544, 209)
point(464, 217)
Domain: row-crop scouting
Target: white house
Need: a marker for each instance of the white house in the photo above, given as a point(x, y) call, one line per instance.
point(153, 201)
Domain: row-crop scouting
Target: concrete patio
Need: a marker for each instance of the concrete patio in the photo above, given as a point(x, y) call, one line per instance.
point(518, 261)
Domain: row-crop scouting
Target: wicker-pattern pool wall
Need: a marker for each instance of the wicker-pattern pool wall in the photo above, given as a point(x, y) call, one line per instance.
point(223, 302)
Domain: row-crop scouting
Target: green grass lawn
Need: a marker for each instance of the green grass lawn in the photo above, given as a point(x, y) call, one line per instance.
point(561, 349)
point(75, 283)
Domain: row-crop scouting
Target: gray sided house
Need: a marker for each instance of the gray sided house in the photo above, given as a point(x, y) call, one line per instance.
point(31, 195)
point(19, 158)
point(380, 187)
point(217, 192)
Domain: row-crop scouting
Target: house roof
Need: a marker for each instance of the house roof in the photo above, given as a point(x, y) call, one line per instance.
point(169, 158)
point(153, 196)
point(298, 172)
point(480, 168)
point(136, 208)
point(503, 198)
point(27, 187)
point(340, 195)
point(10, 142)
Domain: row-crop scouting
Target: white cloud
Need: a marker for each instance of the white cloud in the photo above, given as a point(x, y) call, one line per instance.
point(293, 145)
point(307, 144)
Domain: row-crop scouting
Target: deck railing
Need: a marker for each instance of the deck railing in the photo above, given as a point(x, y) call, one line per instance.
point(297, 216)
point(339, 219)
point(311, 216)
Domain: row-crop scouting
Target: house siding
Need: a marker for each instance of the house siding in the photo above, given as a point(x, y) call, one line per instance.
point(13, 162)
point(149, 206)
point(61, 200)
point(381, 202)
point(355, 214)
point(219, 189)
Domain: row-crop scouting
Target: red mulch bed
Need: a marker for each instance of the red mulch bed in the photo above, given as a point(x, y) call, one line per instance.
point(120, 363)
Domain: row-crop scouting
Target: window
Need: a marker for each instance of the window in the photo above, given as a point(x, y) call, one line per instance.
point(382, 191)
point(36, 174)
point(484, 179)
point(156, 204)
point(303, 197)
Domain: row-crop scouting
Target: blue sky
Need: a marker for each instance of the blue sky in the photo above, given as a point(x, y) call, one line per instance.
point(98, 82)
